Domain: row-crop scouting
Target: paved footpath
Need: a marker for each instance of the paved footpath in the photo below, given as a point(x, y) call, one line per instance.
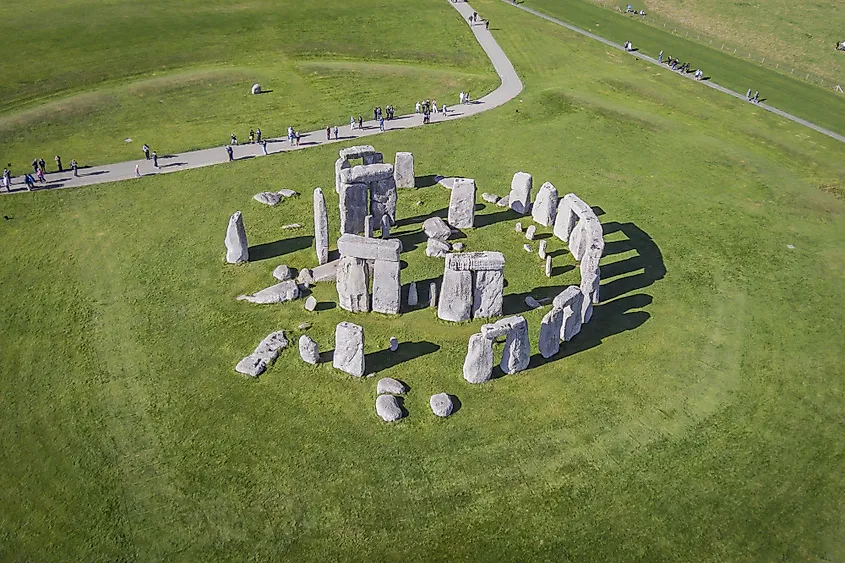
point(509, 88)
point(709, 83)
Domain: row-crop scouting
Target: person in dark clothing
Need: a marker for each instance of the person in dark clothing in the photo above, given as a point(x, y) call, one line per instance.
point(35, 166)
point(258, 135)
point(487, 24)
point(75, 167)
point(251, 136)
point(155, 159)
point(360, 122)
point(42, 165)
point(30, 182)
point(58, 160)
point(230, 152)
point(234, 139)
point(146, 149)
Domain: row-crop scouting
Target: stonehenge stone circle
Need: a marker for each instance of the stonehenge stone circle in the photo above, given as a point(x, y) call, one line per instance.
point(321, 227)
point(519, 198)
point(387, 407)
point(550, 328)
point(279, 293)
point(237, 248)
point(441, 405)
point(390, 386)
point(264, 354)
point(309, 351)
point(282, 272)
point(436, 228)
point(544, 209)
point(403, 170)
point(349, 349)
point(478, 364)
point(517, 351)
point(352, 276)
point(413, 297)
point(462, 204)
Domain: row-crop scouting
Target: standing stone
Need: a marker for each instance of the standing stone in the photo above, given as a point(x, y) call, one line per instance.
point(321, 227)
point(586, 309)
point(462, 204)
point(550, 332)
point(487, 293)
point(403, 170)
point(519, 198)
point(349, 349)
point(394, 344)
point(517, 352)
point(387, 407)
point(373, 158)
point(368, 226)
point(565, 220)
point(544, 209)
point(435, 227)
point(413, 298)
point(518, 227)
point(432, 294)
point(386, 287)
point(478, 365)
point(339, 164)
point(529, 232)
point(455, 296)
point(352, 284)
point(587, 230)
point(441, 405)
point(570, 300)
point(548, 266)
point(309, 351)
point(237, 248)
point(354, 201)
point(385, 226)
point(542, 250)
point(383, 199)
point(310, 303)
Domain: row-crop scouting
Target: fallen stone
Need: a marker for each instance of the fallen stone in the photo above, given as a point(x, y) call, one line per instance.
point(387, 288)
point(413, 297)
point(309, 351)
point(403, 170)
point(321, 227)
point(390, 386)
point(268, 198)
point(531, 302)
point(542, 250)
point(237, 248)
point(352, 287)
point(518, 227)
point(304, 326)
point(487, 297)
point(251, 365)
point(504, 202)
point(387, 407)
point(305, 277)
point(325, 272)
point(284, 192)
point(256, 89)
point(282, 273)
point(527, 248)
point(458, 246)
point(489, 198)
point(432, 294)
point(394, 344)
point(435, 248)
point(291, 226)
point(550, 333)
point(264, 354)
point(462, 204)
point(310, 303)
point(476, 261)
point(517, 351)
point(436, 228)
point(441, 405)
point(369, 248)
point(529, 232)
point(544, 209)
point(478, 364)
point(519, 198)
point(456, 290)
point(279, 293)
point(349, 349)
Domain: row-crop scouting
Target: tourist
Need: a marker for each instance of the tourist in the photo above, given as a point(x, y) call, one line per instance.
point(34, 166)
point(29, 181)
point(660, 57)
point(351, 123)
point(487, 24)
point(335, 133)
point(137, 171)
point(75, 167)
point(381, 124)
point(443, 109)
point(417, 107)
point(155, 159)
point(375, 114)
point(748, 95)
point(360, 122)
point(328, 133)
point(756, 99)
point(258, 135)
point(264, 146)
point(469, 19)
point(58, 160)
point(251, 136)
point(146, 150)
point(461, 98)
point(234, 139)
point(40, 176)
point(298, 137)
point(42, 165)
point(7, 179)
point(434, 106)
point(230, 152)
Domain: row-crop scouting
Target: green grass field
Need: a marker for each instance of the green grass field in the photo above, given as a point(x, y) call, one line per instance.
point(697, 417)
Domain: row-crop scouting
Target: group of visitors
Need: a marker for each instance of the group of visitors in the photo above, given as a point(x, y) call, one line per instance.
point(755, 99)
point(840, 45)
point(352, 122)
point(630, 10)
point(329, 132)
point(149, 156)
point(38, 174)
point(474, 19)
point(678, 66)
point(628, 46)
point(464, 98)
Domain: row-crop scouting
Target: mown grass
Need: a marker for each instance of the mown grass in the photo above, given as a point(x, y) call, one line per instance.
point(695, 419)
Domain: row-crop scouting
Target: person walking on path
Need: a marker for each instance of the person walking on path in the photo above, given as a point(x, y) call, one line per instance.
point(360, 122)
point(146, 149)
point(381, 124)
point(75, 167)
point(35, 166)
point(756, 99)
point(251, 136)
point(137, 171)
point(155, 159)
point(258, 135)
point(7, 178)
point(40, 176)
point(42, 165)
point(487, 24)
point(29, 181)
point(748, 95)
point(660, 57)
point(335, 132)
point(58, 160)
point(234, 139)
point(230, 152)
point(264, 146)
point(328, 133)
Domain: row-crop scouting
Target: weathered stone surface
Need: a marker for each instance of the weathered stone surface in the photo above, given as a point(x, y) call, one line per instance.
point(282, 273)
point(268, 198)
point(441, 405)
point(237, 248)
point(369, 248)
point(488, 289)
point(366, 173)
point(478, 364)
point(548, 268)
point(432, 294)
point(383, 199)
point(519, 198)
point(476, 261)
point(531, 302)
point(310, 303)
point(494, 330)
point(586, 310)
point(403, 170)
point(385, 226)
point(565, 220)
point(339, 164)
point(358, 151)
point(435, 248)
point(504, 202)
point(550, 333)
point(354, 205)
point(587, 230)
point(390, 386)
point(309, 351)
point(305, 277)
point(325, 272)
point(394, 344)
point(285, 192)
point(489, 198)
point(264, 354)
point(529, 232)
point(517, 351)
point(544, 209)
point(527, 247)
point(386, 287)
point(291, 226)
point(541, 251)
point(413, 297)
point(578, 205)
point(349, 349)
point(570, 300)
point(455, 296)
point(458, 246)
point(251, 365)
point(304, 326)
point(321, 227)
point(387, 407)
point(375, 158)
point(278, 293)
point(256, 89)
point(518, 227)
point(368, 226)
point(462, 204)
point(435, 227)
point(352, 285)
point(591, 273)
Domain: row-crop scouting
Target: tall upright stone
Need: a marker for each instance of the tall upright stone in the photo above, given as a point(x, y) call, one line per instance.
point(368, 226)
point(413, 297)
point(550, 332)
point(383, 198)
point(352, 284)
point(403, 170)
point(544, 209)
point(340, 164)
point(354, 201)
point(565, 220)
point(488, 291)
point(517, 352)
point(237, 248)
point(519, 198)
point(478, 364)
point(321, 227)
point(571, 301)
point(462, 204)
point(349, 349)
point(432, 294)
point(386, 287)
point(385, 226)
point(455, 302)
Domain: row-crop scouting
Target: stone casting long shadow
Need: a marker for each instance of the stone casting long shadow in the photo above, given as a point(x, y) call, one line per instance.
point(278, 248)
point(385, 359)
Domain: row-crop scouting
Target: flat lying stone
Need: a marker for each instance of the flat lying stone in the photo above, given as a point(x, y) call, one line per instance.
point(279, 293)
point(441, 404)
point(282, 273)
point(490, 198)
point(264, 354)
point(504, 202)
point(366, 173)
point(309, 351)
point(325, 272)
point(369, 248)
point(435, 227)
point(310, 303)
point(292, 226)
point(387, 407)
point(284, 192)
point(268, 198)
point(357, 151)
point(390, 386)
point(476, 261)
point(251, 365)
point(436, 248)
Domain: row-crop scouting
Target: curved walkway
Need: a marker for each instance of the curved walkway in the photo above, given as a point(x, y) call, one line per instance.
point(511, 86)
point(709, 83)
